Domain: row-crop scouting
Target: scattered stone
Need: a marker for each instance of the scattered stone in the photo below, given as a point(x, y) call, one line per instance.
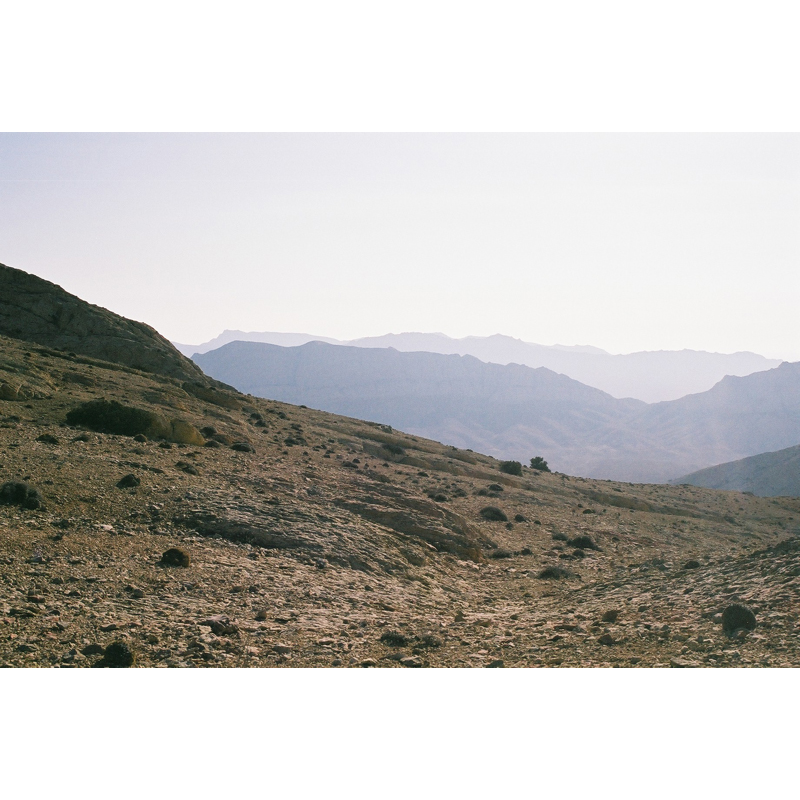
point(367, 662)
point(737, 616)
point(175, 557)
point(262, 614)
point(189, 469)
point(607, 639)
point(411, 661)
point(682, 663)
point(129, 481)
point(221, 625)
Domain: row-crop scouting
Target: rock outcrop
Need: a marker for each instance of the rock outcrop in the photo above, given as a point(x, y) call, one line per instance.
point(38, 311)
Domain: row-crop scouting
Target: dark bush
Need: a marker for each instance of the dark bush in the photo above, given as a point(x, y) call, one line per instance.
point(511, 467)
point(117, 655)
point(537, 462)
point(501, 552)
point(129, 481)
point(520, 518)
point(394, 639)
point(495, 487)
point(175, 557)
point(109, 416)
point(583, 542)
point(737, 616)
point(559, 537)
point(493, 514)
point(20, 494)
point(394, 449)
point(554, 572)
point(692, 564)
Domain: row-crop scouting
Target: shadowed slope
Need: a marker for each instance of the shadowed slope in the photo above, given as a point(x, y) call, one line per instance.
point(36, 310)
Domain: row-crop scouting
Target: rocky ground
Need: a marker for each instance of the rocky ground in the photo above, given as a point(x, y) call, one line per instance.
point(318, 540)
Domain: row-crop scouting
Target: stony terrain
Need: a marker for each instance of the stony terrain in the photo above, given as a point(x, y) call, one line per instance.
point(318, 540)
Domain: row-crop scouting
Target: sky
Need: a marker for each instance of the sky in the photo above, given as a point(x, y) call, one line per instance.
point(623, 241)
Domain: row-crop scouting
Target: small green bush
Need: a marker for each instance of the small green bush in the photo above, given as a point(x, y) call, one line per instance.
point(537, 462)
point(511, 467)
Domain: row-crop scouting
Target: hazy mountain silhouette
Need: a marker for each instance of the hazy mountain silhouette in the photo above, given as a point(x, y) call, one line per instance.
point(513, 411)
point(766, 475)
point(651, 376)
point(282, 339)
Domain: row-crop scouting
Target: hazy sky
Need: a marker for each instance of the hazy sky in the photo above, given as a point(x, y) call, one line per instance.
point(624, 241)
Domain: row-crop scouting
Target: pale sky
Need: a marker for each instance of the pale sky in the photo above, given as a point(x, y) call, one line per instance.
point(623, 241)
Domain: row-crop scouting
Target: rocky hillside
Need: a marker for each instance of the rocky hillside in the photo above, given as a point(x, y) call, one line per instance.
point(36, 310)
point(766, 475)
point(517, 412)
point(145, 524)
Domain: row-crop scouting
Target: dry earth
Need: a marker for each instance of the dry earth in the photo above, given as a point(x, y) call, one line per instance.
point(336, 542)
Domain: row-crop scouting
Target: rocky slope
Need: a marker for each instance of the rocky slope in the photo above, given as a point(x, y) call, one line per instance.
point(38, 311)
point(310, 539)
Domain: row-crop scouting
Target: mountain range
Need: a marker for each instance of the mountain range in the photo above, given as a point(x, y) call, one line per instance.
point(516, 412)
point(651, 376)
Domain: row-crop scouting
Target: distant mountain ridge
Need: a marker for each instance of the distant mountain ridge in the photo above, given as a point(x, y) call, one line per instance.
point(513, 411)
point(651, 376)
point(775, 474)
